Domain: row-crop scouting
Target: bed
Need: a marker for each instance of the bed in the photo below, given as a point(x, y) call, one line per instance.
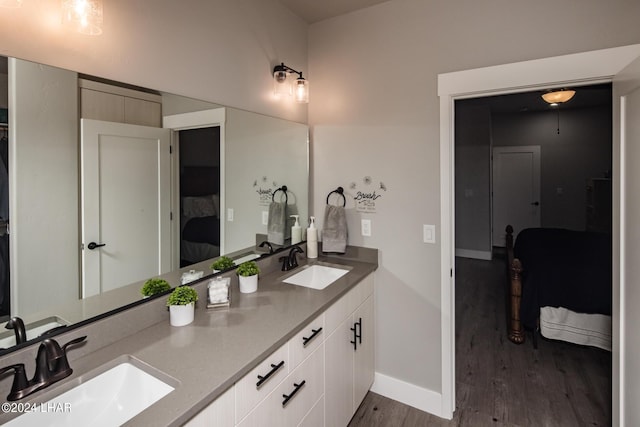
point(200, 214)
point(559, 283)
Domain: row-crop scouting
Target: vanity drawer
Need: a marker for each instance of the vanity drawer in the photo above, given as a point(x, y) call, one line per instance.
point(306, 341)
point(304, 386)
point(258, 383)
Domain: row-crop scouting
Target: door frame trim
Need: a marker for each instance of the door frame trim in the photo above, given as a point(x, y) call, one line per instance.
point(575, 69)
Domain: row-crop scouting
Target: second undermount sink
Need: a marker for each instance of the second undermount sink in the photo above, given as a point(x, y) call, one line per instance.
point(317, 276)
point(108, 399)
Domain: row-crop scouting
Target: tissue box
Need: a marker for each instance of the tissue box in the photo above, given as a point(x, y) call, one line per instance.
point(190, 276)
point(218, 292)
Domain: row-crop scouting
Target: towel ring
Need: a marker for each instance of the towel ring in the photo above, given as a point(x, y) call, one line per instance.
point(284, 190)
point(339, 191)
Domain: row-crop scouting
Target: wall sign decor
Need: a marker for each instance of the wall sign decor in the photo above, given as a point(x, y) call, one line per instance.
point(367, 194)
point(265, 190)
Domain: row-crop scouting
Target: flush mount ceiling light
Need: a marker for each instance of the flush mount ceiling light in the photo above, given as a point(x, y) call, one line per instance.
point(11, 4)
point(282, 86)
point(84, 16)
point(555, 97)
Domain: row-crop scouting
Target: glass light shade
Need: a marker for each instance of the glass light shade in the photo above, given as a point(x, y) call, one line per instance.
point(302, 90)
point(84, 16)
point(281, 85)
point(11, 4)
point(559, 96)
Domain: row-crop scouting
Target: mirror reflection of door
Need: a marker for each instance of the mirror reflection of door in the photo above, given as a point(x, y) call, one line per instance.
point(199, 160)
point(125, 186)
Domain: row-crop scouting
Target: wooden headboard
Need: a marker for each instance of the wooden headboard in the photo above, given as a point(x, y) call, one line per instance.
point(199, 180)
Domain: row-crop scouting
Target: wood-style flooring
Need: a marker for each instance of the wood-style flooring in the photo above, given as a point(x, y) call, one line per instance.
point(499, 383)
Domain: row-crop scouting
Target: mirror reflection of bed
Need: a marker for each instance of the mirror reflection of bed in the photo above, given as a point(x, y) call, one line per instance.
point(199, 154)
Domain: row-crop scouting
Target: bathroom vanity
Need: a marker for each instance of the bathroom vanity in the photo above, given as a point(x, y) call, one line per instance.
point(284, 355)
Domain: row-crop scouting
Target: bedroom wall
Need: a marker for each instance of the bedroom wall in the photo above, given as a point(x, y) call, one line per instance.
point(473, 181)
point(374, 111)
point(582, 150)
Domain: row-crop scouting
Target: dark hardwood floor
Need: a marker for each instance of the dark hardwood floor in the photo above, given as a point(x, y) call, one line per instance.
point(499, 383)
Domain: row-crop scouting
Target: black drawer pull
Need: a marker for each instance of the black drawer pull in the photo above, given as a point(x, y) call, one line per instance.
point(274, 368)
point(315, 333)
point(355, 336)
point(287, 398)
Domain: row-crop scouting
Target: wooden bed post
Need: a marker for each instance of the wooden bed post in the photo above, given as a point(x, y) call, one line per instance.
point(515, 331)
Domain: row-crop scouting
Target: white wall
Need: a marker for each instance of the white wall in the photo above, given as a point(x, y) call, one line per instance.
point(220, 51)
point(374, 110)
point(44, 218)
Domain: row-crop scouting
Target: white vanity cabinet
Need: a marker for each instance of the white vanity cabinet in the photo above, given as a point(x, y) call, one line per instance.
point(318, 378)
point(349, 353)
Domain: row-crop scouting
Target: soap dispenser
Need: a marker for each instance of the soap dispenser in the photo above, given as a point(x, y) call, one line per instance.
point(296, 231)
point(312, 239)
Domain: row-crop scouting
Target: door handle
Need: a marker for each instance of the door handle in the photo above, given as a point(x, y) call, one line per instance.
point(536, 203)
point(94, 245)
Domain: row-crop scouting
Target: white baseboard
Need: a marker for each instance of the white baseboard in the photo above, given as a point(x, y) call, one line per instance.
point(470, 253)
point(409, 394)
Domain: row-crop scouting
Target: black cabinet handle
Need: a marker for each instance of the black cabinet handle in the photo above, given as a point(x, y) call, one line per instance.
point(287, 398)
point(94, 245)
point(355, 337)
point(274, 369)
point(315, 333)
point(359, 335)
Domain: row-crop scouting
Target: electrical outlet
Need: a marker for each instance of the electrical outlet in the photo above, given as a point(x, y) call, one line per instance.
point(429, 233)
point(265, 217)
point(365, 225)
point(230, 215)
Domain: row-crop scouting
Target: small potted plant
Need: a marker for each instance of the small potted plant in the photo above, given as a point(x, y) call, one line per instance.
point(154, 286)
point(222, 263)
point(248, 275)
point(182, 303)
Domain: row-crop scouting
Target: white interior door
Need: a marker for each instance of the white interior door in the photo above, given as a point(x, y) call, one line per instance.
point(626, 360)
point(125, 185)
point(516, 190)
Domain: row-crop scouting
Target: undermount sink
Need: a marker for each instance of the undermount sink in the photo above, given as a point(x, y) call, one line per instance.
point(33, 330)
point(108, 399)
point(317, 276)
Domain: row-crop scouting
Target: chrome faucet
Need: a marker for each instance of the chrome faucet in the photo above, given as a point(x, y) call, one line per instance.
point(290, 261)
point(17, 325)
point(52, 365)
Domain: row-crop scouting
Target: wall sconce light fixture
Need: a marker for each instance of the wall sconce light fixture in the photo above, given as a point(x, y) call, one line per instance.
point(11, 4)
point(84, 16)
point(282, 85)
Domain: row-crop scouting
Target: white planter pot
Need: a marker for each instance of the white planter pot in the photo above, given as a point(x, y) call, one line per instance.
point(248, 284)
point(180, 315)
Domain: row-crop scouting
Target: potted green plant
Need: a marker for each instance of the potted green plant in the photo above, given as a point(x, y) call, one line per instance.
point(248, 276)
point(182, 303)
point(222, 263)
point(154, 286)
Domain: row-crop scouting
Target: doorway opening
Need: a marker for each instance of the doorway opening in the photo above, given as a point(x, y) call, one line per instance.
point(199, 165)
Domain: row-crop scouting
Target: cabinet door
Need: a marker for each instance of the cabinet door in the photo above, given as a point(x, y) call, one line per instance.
point(363, 367)
point(338, 392)
point(218, 413)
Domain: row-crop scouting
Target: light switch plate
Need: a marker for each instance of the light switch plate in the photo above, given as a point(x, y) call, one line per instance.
point(429, 233)
point(365, 226)
point(230, 215)
point(265, 217)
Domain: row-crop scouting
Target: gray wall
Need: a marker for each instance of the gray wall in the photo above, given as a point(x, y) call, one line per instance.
point(374, 110)
point(582, 150)
point(473, 180)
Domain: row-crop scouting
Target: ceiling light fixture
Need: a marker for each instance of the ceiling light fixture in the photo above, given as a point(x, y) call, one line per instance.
point(84, 16)
point(282, 86)
point(556, 97)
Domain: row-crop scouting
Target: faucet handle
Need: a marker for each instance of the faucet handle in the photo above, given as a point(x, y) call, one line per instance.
point(19, 380)
point(63, 363)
